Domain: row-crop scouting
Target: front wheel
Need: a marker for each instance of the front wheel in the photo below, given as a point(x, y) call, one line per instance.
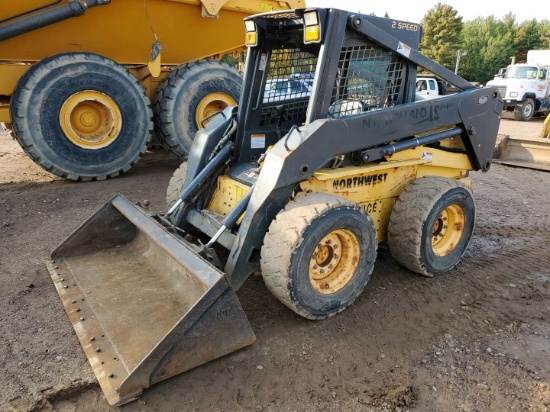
point(318, 255)
point(81, 116)
point(175, 186)
point(431, 225)
point(524, 111)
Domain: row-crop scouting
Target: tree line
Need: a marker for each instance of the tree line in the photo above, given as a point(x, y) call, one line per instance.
point(485, 44)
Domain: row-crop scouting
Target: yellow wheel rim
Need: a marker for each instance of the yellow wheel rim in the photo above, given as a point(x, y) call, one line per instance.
point(334, 261)
point(90, 119)
point(212, 103)
point(448, 230)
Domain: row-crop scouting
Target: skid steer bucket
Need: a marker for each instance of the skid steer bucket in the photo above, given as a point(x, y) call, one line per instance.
point(144, 304)
point(533, 153)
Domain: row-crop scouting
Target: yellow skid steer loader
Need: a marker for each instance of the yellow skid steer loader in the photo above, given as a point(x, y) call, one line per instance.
point(327, 155)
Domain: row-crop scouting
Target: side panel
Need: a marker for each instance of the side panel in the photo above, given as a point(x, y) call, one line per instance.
point(376, 187)
point(121, 30)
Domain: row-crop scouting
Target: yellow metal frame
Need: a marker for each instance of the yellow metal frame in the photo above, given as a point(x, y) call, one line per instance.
point(545, 133)
point(228, 192)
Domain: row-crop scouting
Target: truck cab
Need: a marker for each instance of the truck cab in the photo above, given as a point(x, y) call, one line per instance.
point(525, 87)
point(429, 87)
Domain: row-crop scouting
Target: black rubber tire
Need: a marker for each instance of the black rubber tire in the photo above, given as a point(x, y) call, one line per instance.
point(37, 101)
point(291, 240)
point(524, 111)
point(175, 185)
point(178, 96)
point(413, 218)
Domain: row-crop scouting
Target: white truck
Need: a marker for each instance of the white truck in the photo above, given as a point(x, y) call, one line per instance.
point(429, 87)
point(525, 88)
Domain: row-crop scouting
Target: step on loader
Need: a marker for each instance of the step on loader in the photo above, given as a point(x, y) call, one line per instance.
point(326, 156)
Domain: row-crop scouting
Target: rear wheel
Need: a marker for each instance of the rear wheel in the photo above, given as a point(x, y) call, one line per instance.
point(318, 255)
point(188, 95)
point(175, 185)
point(81, 116)
point(431, 225)
point(524, 111)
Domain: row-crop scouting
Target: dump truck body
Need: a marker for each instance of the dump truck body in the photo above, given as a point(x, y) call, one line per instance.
point(301, 185)
point(150, 39)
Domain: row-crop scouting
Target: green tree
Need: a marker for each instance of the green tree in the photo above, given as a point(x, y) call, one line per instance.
point(441, 38)
point(528, 37)
point(489, 44)
point(544, 32)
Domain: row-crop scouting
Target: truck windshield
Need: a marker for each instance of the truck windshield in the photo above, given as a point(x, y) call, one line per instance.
point(521, 72)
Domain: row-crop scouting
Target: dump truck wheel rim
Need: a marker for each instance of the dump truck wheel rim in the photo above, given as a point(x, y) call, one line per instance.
point(90, 119)
point(210, 104)
point(448, 229)
point(334, 261)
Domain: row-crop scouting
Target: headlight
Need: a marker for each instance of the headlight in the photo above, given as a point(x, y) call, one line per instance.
point(312, 28)
point(513, 94)
point(251, 36)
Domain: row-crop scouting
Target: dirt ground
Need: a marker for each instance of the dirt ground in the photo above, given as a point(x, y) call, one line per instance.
point(475, 339)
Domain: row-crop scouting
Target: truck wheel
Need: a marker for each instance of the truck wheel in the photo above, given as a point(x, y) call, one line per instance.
point(524, 111)
point(175, 185)
point(318, 255)
point(81, 116)
point(431, 225)
point(189, 94)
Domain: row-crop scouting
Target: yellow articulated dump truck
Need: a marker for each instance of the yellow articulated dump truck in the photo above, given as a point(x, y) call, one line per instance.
point(83, 83)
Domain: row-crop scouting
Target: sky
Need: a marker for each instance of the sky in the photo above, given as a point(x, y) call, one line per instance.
point(414, 10)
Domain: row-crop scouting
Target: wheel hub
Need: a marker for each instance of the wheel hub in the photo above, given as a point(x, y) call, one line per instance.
point(210, 104)
point(448, 229)
point(334, 261)
point(90, 119)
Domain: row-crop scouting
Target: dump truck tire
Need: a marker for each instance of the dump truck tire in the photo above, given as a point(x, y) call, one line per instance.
point(431, 225)
point(175, 186)
point(300, 262)
point(524, 111)
point(189, 94)
point(81, 116)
